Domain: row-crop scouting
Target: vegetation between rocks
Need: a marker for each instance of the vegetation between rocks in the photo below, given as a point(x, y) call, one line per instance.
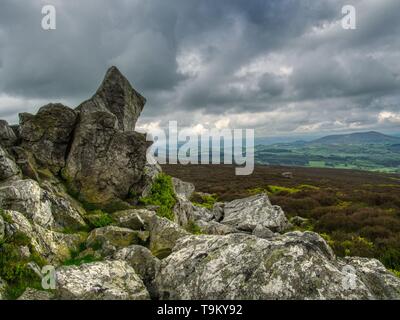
point(162, 195)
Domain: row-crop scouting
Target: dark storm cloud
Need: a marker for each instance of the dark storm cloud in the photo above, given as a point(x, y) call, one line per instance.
point(272, 65)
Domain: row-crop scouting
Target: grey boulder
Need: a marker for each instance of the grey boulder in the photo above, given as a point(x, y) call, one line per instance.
point(108, 280)
point(292, 266)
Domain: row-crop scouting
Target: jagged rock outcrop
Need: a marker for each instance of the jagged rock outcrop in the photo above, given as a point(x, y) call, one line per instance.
point(116, 95)
point(108, 280)
point(292, 266)
point(104, 135)
point(47, 134)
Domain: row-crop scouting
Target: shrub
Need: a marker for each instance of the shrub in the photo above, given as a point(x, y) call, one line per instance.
point(99, 219)
point(162, 195)
point(205, 201)
point(193, 228)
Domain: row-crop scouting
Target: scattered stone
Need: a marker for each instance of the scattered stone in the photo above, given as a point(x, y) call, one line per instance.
point(246, 214)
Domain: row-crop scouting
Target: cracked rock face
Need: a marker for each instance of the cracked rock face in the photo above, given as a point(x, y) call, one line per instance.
point(109, 280)
point(292, 266)
point(7, 134)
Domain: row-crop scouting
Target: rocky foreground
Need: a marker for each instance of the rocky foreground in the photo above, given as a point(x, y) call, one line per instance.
point(77, 193)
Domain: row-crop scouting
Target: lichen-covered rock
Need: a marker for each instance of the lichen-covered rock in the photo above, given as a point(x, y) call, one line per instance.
point(142, 261)
point(183, 188)
point(163, 235)
point(262, 232)
point(8, 167)
point(246, 214)
point(26, 197)
point(110, 239)
point(108, 280)
point(374, 275)
point(7, 135)
point(129, 219)
point(34, 294)
point(104, 163)
point(291, 266)
point(47, 134)
point(53, 246)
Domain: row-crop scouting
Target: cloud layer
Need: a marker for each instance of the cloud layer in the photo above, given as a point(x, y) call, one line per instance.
point(281, 67)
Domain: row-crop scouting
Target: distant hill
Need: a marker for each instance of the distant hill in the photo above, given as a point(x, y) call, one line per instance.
point(371, 137)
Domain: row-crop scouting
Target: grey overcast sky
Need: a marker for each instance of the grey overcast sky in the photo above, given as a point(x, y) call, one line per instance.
point(284, 67)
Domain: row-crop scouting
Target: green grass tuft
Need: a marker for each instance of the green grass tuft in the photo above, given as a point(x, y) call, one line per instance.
point(162, 195)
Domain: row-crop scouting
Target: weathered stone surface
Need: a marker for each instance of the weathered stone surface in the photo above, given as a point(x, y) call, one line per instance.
point(26, 162)
point(142, 261)
point(215, 228)
point(374, 275)
point(185, 211)
point(7, 135)
point(103, 163)
point(116, 95)
point(108, 280)
point(65, 213)
point(47, 134)
point(112, 238)
point(129, 219)
point(163, 235)
point(34, 294)
point(8, 167)
point(183, 188)
point(27, 197)
point(51, 245)
point(262, 232)
point(246, 214)
point(238, 266)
